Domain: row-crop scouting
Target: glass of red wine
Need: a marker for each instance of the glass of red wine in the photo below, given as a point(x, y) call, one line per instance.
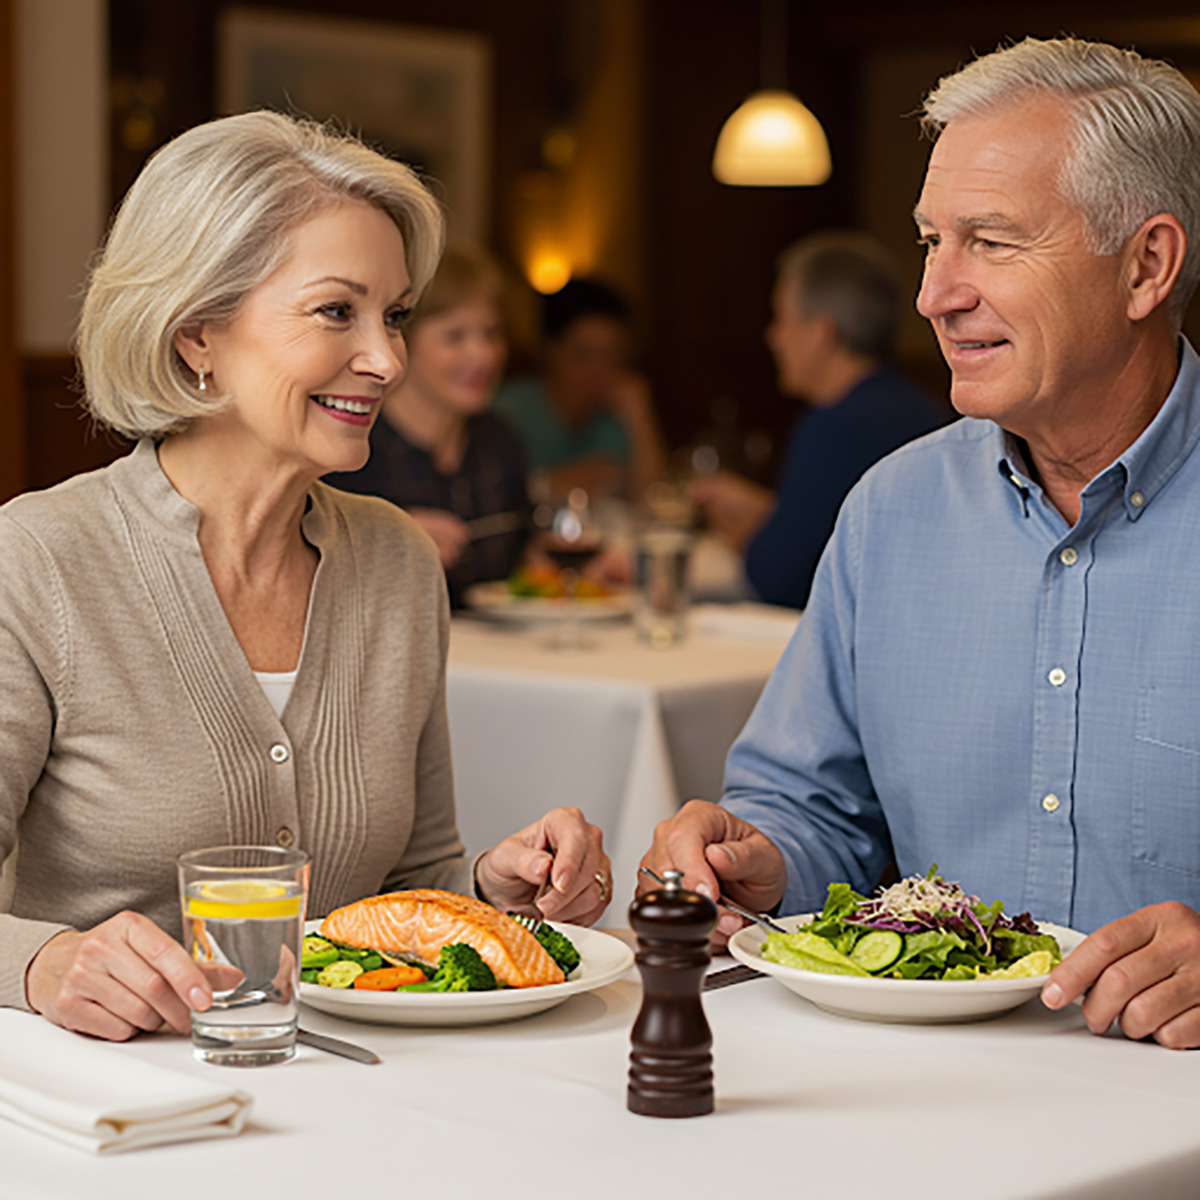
point(572, 541)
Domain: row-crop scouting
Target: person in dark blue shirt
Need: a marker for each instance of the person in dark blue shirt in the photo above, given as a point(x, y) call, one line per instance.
point(836, 309)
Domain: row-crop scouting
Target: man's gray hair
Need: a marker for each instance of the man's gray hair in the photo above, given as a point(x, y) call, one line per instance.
point(851, 278)
point(1136, 150)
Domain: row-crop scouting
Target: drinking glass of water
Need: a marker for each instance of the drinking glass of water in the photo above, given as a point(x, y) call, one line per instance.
point(243, 921)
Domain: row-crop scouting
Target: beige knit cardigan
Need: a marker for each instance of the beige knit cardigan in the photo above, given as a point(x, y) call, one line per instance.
point(132, 728)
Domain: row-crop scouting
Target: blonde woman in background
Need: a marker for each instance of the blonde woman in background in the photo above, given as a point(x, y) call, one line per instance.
point(203, 644)
point(458, 469)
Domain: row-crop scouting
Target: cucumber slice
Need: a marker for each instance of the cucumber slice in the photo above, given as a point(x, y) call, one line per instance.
point(339, 974)
point(877, 950)
point(317, 952)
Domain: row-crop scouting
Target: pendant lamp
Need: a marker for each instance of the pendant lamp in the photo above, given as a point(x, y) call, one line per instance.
point(772, 140)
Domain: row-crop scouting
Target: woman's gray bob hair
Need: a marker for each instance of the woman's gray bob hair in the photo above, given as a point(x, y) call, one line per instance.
point(207, 221)
point(1137, 134)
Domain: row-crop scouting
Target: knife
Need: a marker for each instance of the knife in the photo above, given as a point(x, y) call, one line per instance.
point(730, 975)
point(336, 1046)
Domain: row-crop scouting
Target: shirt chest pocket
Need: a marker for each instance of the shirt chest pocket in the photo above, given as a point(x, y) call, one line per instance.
point(1165, 804)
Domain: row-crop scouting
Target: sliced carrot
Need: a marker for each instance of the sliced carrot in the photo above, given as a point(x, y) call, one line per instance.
point(388, 979)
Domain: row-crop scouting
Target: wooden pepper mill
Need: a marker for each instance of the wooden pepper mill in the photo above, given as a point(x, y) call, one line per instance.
point(670, 1067)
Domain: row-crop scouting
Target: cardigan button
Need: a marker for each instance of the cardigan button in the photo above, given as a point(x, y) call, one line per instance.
point(279, 753)
point(285, 837)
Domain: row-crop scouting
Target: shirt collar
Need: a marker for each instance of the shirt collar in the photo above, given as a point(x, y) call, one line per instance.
point(179, 519)
point(1151, 461)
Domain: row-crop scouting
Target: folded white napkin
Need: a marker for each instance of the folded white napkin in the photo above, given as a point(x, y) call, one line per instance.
point(93, 1096)
point(746, 622)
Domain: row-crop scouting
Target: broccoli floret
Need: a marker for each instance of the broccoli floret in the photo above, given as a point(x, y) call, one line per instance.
point(559, 947)
point(460, 969)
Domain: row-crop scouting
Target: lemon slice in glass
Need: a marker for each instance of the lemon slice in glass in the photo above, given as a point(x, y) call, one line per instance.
point(242, 900)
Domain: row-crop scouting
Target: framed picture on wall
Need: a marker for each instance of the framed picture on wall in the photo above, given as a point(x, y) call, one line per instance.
point(420, 95)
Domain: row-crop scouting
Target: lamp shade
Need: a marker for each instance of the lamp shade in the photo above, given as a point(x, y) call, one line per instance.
point(772, 140)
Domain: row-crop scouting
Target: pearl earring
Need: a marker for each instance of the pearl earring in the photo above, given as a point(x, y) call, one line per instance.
point(200, 384)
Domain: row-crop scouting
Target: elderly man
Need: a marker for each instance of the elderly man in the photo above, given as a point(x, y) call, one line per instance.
point(999, 669)
point(836, 310)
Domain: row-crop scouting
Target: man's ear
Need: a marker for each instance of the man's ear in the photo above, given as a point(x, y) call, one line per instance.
point(828, 330)
point(192, 347)
point(1155, 258)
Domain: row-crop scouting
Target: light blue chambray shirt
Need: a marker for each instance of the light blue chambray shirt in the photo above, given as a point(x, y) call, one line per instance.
point(976, 684)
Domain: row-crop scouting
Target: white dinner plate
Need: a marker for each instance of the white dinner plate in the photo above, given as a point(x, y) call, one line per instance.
point(910, 1001)
point(497, 603)
point(602, 959)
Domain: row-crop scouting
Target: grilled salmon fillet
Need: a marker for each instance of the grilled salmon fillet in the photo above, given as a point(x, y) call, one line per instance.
point(424, 920)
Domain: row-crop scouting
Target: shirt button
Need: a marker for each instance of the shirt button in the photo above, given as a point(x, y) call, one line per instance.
point(1057, 677)
point(279, 753)
point(1068, 556)
point(285, 837)
point(1137, 499)
point(1050, 803)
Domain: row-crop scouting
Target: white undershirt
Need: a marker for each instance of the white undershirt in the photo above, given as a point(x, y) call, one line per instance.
point(277, 686)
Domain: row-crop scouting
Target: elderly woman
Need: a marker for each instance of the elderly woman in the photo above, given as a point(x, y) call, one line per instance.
point(455, 467)
point(202, 644)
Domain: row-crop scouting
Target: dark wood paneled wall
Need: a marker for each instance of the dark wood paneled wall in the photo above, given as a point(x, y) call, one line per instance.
point(12, 408)
point(709, 250)
point(61, 439)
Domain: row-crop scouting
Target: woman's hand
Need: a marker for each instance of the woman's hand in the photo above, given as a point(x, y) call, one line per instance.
point(450, 533)
point(555, 867)
point(123, 976)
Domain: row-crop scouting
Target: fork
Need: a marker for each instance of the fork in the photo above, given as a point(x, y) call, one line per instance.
point(533, 924)
point(496, 523)
point(759, 918)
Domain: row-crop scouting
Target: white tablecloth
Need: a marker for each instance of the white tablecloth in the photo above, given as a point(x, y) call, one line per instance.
point(624, 732)
point(1030, 1105)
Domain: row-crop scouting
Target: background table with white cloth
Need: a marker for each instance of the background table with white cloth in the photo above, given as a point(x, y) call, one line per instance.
point(621, 731)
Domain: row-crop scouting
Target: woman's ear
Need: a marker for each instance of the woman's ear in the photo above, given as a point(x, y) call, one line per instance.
point(1156, 253)
point(192, 347)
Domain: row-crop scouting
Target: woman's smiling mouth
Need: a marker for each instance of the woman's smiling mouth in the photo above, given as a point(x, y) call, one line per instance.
point(354, 409)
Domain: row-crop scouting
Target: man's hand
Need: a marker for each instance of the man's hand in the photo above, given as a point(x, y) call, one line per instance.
point(717, 852)
point(734, 508)
point(123, 976)
point(555, 867)
point(1143, 969)
point(450, 533)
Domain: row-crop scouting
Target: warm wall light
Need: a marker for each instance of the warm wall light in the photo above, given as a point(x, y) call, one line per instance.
point(772, 140)
point(548, 270)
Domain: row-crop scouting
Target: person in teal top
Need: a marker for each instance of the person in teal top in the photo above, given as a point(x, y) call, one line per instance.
point(549, 440)
point(588, 421)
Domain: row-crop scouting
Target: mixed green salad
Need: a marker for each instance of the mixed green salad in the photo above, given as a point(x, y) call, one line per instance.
point(459, 967)
point(919, 928)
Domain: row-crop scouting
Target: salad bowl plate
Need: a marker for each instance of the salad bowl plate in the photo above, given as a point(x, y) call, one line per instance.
point(495, 602)
point(901, 1001)
point(602, 959)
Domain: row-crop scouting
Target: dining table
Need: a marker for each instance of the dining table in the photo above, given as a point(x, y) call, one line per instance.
point(1028, 1105)
point(623, 731)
